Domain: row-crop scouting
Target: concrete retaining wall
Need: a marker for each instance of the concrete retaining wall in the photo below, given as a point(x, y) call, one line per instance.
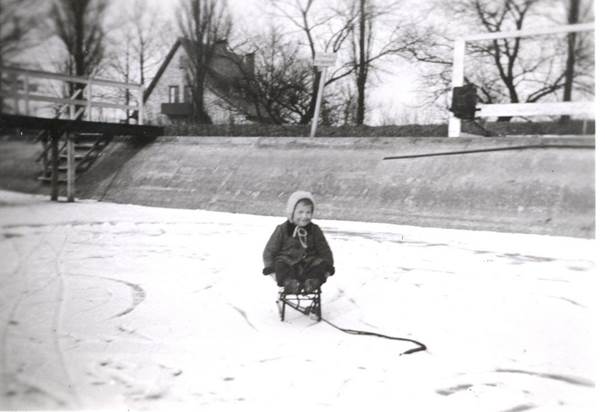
point(546, 191)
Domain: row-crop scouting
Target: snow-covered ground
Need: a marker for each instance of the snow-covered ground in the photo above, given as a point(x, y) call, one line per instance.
point(111, 306)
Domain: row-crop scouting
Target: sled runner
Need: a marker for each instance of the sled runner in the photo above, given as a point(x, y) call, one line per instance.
point(305, 302)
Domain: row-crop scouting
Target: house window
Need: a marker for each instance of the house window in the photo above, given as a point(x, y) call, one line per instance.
point(173, 94)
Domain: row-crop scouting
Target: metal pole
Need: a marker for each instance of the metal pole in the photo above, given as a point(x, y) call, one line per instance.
point(318, 102)
point(71, 168)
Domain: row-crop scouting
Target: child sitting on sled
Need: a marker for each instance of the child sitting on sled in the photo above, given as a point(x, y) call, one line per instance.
point(297, 255)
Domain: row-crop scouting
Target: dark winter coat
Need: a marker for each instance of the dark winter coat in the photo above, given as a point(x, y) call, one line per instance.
point(284, 247)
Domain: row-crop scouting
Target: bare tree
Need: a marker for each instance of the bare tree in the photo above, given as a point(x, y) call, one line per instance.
point(362, 44)
point(202, 23)
point(578, 51)
point(317, 22)
point(139, 42)
point(79, 25)
point(122, 61)
point(376, 37)
point(365, 32)
point(520, 69)
point(17, 22)
point(278, 83)
point(529, 67)
point(505, 53)
point(149, 42)
point(572, 18)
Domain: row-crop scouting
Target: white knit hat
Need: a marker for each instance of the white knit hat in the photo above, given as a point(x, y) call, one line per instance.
point(294, 199)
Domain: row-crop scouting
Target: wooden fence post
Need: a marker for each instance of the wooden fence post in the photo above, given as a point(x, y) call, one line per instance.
point(15, 91)
point(89, 100)
point(141, 105)
point(71, 168)
point(26, 85)
point(54, 164)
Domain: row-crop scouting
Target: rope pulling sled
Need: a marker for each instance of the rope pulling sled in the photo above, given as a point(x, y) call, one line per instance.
point(315, 308)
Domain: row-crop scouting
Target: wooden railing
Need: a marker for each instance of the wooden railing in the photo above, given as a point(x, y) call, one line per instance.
point(16, 89)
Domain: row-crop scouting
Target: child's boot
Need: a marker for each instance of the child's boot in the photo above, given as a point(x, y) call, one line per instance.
point(291, 286)
point(311, 285)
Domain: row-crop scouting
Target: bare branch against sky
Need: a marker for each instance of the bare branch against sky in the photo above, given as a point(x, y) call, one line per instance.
point(18, 21)
point(79, 25)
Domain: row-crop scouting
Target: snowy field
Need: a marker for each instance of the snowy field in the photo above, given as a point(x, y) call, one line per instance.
point(107, 306)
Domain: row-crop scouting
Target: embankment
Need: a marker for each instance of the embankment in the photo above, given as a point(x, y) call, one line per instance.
point(546, 190)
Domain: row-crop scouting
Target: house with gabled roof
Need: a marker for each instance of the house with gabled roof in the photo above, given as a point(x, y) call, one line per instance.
point(168, 97)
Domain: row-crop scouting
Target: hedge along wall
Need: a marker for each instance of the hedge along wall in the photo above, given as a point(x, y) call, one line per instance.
point(573, 127)
point(545, 191)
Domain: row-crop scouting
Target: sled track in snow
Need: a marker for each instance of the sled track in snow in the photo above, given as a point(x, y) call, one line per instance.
point(58, 320)
point(10, 321)
point(138, 294)
point(563, 378)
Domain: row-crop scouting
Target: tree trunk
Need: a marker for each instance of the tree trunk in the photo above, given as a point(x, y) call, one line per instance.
point(127, 80)
point(308, 115)
point(199, 108)
point(2, 82)
point(362, 73)
point(514, 97)
point(361, 100)
point(572, 18)
point(203, 23)
point(78, 23)
point(79, 55)
point(142, 67)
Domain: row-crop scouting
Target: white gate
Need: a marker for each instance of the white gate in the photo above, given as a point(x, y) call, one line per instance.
point(515, 109)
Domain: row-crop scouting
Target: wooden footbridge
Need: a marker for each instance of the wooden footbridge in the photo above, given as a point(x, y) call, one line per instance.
point(73, 131)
